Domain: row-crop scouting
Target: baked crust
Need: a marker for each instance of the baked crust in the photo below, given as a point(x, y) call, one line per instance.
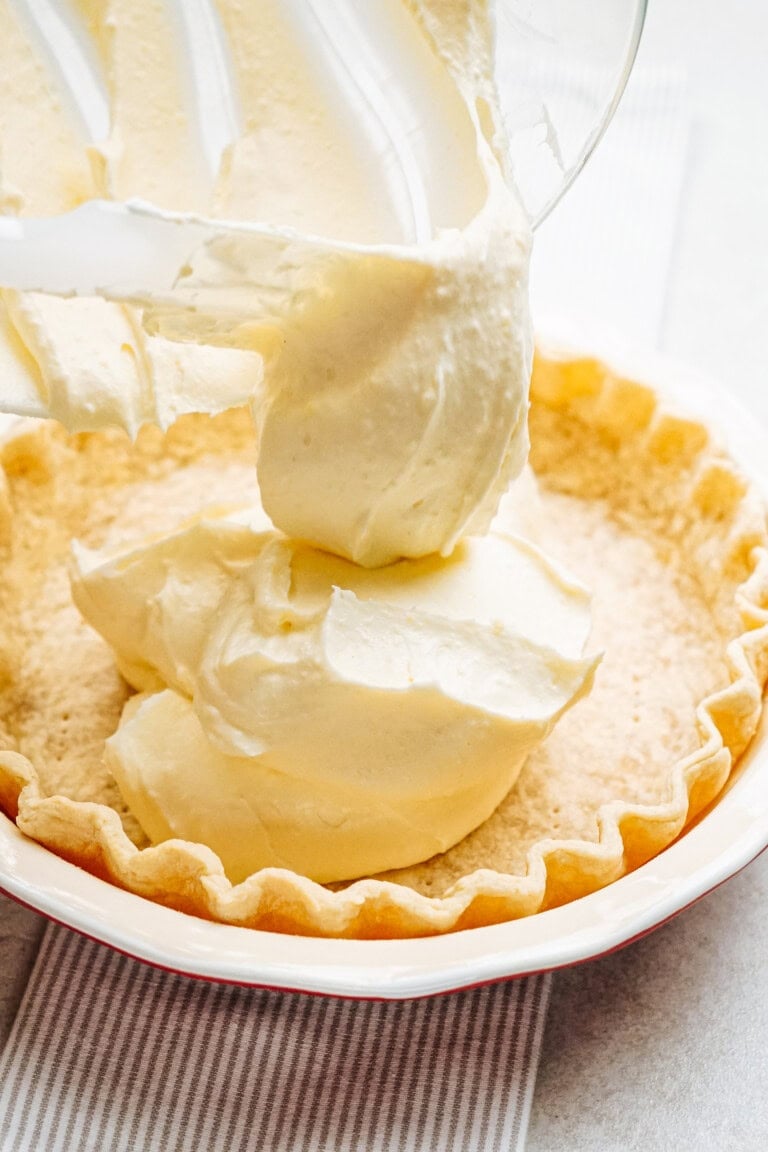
point(635, 498)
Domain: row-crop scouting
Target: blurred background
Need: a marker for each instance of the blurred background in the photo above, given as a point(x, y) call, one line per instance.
point(664, 236)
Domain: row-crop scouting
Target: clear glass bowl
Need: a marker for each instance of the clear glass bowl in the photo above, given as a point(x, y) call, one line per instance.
point(561, 68)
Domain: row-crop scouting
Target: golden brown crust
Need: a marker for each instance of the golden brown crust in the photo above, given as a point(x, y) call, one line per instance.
point(641, 503)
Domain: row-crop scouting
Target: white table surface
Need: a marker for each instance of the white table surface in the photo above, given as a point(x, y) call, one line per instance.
point(663, 1045)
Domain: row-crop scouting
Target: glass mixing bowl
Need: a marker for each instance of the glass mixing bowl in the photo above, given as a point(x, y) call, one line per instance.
point(561, 68)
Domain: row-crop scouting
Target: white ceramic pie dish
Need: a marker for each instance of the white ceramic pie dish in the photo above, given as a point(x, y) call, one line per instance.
point(719, 845)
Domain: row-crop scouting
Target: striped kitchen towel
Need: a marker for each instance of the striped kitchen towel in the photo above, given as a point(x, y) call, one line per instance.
point(108, 1054)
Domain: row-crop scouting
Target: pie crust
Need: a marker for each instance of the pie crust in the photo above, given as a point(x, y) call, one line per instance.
point(636, 499)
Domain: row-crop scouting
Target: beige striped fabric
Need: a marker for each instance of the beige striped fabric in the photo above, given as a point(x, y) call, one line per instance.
point(109, 1054)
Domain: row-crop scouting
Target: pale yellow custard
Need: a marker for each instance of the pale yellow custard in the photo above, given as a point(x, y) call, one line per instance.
point(302, 712)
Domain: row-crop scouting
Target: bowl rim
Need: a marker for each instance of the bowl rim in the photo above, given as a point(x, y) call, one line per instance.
point(733, 832)
point(623, 74)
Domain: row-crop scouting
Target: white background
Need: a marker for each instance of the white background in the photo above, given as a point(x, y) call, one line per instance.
point(707, 184)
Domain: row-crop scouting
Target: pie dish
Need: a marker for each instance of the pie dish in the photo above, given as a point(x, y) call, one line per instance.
point(638, 498)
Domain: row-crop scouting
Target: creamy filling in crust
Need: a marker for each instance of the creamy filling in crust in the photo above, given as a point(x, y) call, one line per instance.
point(662, 633)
